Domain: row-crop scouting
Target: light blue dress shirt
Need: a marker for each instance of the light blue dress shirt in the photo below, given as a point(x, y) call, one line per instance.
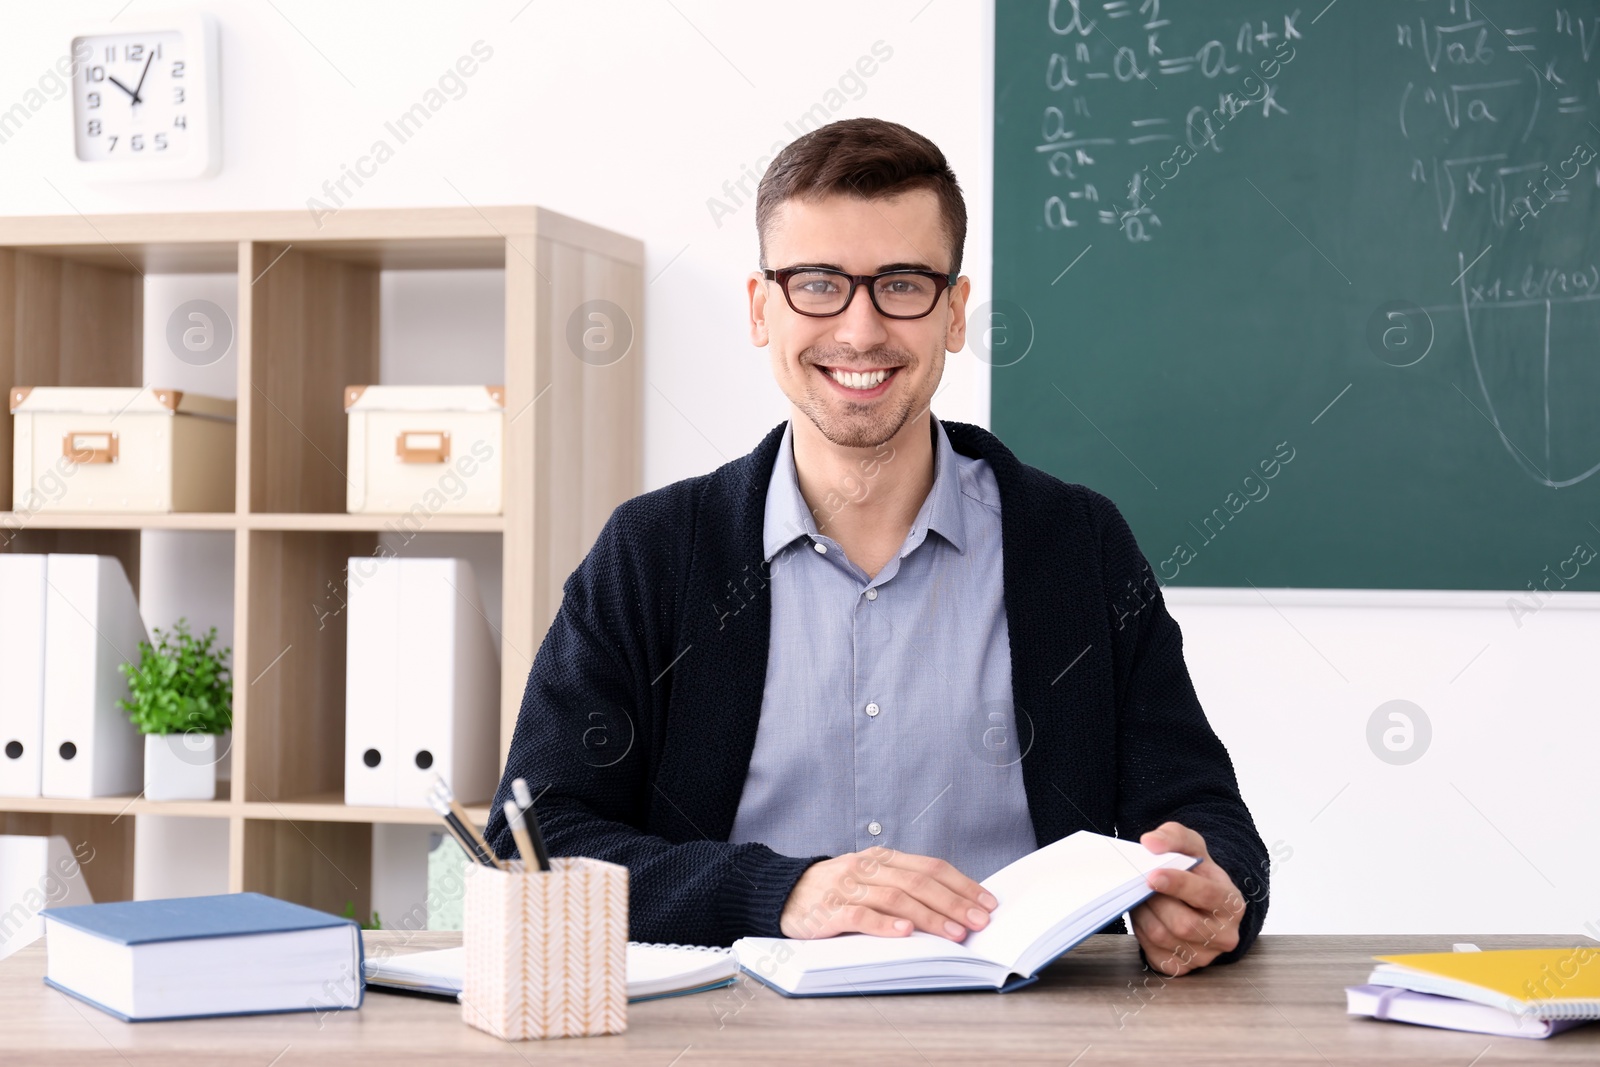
point(887, 716)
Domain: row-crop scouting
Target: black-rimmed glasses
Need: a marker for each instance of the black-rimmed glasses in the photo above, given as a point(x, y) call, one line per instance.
point(822, 292)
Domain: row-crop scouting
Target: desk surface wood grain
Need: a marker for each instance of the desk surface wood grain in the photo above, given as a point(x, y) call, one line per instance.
point(1282, 1004)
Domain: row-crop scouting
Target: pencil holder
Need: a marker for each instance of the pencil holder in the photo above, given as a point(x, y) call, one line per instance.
point(546, 951)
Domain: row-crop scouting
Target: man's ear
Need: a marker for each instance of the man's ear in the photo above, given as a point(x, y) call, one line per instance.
point(955, 338)
point(757, 289)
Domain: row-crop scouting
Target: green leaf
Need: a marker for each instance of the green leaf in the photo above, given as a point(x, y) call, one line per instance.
point(181, 683)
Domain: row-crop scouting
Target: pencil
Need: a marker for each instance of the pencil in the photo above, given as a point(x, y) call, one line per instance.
point(519, 831)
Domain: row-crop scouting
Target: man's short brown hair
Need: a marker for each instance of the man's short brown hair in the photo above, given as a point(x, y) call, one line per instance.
point(867, 158)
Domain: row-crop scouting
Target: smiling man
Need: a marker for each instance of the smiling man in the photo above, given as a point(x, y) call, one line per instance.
point(831, 685)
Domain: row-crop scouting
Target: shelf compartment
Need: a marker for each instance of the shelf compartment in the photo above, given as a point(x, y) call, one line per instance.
point(67, 323)
point(101, 841)
point(312, 329)
point(290, 683)
point(323, 865)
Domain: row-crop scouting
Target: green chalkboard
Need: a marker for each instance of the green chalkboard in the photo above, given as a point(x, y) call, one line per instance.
point(1354, 246)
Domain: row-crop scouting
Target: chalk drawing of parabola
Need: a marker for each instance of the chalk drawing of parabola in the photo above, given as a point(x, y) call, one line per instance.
point(1537, 362)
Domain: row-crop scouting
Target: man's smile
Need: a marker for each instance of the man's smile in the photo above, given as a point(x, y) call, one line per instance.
point(859, 384)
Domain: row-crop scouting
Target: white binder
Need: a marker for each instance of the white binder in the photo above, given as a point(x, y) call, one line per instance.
point(22, 604)
point(92, 626)
point(36, 873)
point(422, 684)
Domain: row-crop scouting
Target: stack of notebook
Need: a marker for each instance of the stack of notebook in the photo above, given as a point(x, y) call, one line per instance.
point(1511, 993)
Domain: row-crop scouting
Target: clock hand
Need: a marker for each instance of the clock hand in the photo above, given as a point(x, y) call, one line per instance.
point(113, 80)
point(137, 99)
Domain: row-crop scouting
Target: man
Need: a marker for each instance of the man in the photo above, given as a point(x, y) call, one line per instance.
point(832, 684)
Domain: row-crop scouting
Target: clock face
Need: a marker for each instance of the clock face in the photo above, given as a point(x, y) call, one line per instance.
point(134, 97)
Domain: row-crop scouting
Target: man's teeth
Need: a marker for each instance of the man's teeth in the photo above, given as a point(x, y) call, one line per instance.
point(852, 380)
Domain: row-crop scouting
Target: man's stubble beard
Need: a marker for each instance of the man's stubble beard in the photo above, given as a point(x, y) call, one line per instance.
point(856, 432)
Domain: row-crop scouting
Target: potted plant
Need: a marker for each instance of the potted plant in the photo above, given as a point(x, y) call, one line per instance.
point(181, 699)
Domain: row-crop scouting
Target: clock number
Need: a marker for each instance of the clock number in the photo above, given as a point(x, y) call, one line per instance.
point(94, 127)
point(181, 122)
point(161, 142)
point(111, 53)
point(136, 142)
point(112, 146)
point(94, 74)
point(94, 101)
point(177, 94)
point(135, 53)
point(177, 68)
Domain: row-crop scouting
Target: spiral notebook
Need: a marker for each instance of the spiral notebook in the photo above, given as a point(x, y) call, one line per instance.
point(1533, 983)
point(1400, 1005)
point(654, 970)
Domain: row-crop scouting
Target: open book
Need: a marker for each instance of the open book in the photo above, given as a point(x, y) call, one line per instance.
point(1049, 901)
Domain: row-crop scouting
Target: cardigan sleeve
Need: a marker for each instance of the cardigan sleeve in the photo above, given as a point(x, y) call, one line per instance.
point(583, 743)
point(1170, 763)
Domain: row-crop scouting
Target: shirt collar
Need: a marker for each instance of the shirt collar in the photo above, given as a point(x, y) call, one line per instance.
point(787, 517)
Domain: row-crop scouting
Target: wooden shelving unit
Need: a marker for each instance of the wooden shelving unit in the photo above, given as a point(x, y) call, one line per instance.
point(71, 310)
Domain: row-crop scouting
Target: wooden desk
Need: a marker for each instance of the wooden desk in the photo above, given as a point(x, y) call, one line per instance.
point(1282, 1004)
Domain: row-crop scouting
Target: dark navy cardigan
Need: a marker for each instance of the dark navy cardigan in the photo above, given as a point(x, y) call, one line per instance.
point(641, 708)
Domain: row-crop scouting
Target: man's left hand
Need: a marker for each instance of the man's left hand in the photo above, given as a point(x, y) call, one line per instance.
point(1194, 916)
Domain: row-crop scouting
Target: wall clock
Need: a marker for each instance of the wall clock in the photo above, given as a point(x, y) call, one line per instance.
point(146, 98)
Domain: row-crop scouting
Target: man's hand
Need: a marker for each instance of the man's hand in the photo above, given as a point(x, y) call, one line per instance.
point(1194, 916)
point(887, 893)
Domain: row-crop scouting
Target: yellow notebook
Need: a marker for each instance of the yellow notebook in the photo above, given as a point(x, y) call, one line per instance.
point(1540, 983)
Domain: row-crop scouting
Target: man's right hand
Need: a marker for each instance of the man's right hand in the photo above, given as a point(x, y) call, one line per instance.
point(887, 893)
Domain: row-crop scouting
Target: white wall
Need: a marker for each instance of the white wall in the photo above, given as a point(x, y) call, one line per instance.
point(1488, 829)
point(633, 114)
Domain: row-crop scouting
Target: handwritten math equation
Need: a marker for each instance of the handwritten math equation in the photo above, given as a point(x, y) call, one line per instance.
point(1132, 47)
point(1478, 94)
point(1474, 96)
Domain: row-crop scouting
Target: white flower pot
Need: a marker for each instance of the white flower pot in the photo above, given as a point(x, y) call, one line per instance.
point(183, 766)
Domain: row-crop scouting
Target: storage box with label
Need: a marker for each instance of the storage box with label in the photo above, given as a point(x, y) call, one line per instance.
point(425, 449)
point(121, 450)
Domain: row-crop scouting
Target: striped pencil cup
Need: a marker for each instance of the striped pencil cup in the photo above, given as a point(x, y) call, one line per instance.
point(546, 951)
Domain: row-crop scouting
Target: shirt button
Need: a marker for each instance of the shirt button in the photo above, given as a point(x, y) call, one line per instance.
point(873, 709)
point(874, 827)
point(820, 547)
point(872, 594)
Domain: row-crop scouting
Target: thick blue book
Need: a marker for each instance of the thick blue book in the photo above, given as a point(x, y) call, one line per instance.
point(188, 957)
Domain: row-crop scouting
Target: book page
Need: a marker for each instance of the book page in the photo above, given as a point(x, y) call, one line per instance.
point(766, 954)
point(1065, 880)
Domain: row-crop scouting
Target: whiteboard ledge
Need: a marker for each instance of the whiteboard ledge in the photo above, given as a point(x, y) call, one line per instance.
point(1214, 596)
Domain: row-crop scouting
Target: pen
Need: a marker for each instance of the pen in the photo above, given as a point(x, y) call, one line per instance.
point(519, 789)
point(446, 794)
point(459, 832)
